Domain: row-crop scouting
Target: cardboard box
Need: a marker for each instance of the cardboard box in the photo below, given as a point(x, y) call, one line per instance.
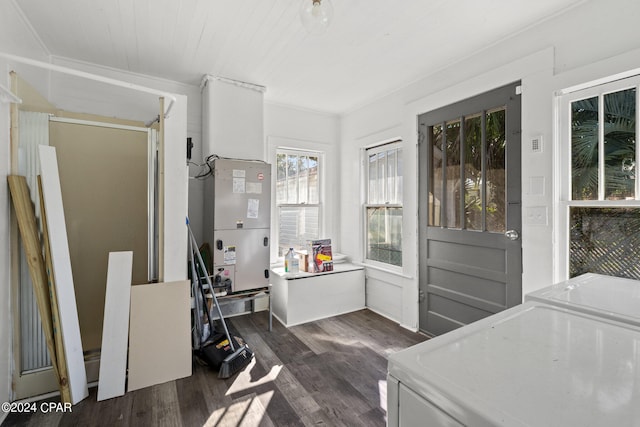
point(304, 258)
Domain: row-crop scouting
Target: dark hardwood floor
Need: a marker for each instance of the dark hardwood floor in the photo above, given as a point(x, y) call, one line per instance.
point(331, 372)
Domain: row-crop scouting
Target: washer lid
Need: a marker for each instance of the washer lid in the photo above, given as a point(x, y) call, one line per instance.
point(612, 297)
point(531, 365)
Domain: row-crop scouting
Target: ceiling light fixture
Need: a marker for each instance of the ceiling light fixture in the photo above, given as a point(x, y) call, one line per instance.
point(316, 15)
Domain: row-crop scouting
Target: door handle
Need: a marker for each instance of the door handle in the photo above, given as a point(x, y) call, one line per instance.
point(512, 234)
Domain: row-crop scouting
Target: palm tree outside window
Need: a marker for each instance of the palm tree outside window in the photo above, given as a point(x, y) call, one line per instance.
point(604, 204)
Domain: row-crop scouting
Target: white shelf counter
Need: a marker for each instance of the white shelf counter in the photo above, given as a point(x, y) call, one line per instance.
point(303, 297)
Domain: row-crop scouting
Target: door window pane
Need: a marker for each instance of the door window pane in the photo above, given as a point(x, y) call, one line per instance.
point(620, 144)
point(496, 170)
point(453, 175)
point(485, 185)
point(435, 186)
point(473, 173)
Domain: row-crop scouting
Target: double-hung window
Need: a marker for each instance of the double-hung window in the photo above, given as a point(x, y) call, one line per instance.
point(298, 201)
point(383, 208)
point(600, 197)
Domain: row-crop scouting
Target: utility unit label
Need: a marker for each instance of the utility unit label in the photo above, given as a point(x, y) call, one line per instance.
point(229, 254)
point(239, 173)
point(253, 206)
point(238, 185)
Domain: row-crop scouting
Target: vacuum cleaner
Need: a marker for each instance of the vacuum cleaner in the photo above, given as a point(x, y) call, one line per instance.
point(228, 354)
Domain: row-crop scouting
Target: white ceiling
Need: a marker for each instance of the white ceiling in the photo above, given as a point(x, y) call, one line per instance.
point(372, 48)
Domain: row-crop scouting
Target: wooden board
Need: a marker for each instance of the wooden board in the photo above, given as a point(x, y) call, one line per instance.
point(159, 333)
point(26, 218)
point(65, 391)
point(63, 277)
point(115, 329)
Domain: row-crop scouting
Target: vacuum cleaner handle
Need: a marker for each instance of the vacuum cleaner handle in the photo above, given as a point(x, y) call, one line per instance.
point(195, 284)
point(208, 279)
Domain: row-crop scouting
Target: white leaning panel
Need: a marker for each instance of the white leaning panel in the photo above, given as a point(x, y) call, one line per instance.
point(115, 329)
point(63, 276)
point(159, 333)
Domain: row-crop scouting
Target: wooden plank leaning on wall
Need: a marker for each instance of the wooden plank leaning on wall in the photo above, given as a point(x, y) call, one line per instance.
point(42, 286)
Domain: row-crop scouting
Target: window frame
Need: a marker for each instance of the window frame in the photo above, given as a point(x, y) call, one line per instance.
point(320, 205)
point(563, 166)
point(397, 144)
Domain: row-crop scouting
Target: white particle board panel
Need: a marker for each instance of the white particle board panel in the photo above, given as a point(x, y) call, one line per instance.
point(62, 274)
point(159, 333)
point(115, 329)
point(304, 297)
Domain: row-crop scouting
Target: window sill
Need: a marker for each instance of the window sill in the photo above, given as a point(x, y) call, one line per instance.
point(388, 270)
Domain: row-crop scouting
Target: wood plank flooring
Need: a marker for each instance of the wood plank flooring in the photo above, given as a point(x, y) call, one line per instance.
point(331, 372)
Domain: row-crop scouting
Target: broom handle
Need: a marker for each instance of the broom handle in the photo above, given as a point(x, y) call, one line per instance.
point(195, 287)
point(200, 291)
point(213, 294)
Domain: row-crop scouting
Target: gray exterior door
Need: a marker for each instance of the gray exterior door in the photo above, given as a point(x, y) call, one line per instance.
point(470, 210)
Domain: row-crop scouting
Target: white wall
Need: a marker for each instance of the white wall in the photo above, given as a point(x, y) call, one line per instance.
point(233, 120)
point(558, 53)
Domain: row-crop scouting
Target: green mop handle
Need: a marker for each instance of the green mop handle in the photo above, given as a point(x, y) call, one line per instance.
point(206, 276)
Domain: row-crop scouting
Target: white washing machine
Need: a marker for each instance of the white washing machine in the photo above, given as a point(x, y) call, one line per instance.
point(606, 296)
point(531, 365)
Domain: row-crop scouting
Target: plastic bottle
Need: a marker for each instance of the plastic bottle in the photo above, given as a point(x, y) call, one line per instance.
point(291, 262)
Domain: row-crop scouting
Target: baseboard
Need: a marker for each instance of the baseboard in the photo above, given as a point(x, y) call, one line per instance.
point(314, 319)
point(385, 315)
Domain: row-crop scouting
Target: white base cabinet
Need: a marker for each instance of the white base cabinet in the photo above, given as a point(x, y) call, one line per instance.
point(303, 297)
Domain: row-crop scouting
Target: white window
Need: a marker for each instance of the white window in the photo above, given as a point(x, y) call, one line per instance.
point(298, 201)
point(600, 200)
point(383, 208)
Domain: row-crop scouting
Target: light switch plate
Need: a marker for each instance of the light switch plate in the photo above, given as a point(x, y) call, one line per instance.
point(535, 215)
